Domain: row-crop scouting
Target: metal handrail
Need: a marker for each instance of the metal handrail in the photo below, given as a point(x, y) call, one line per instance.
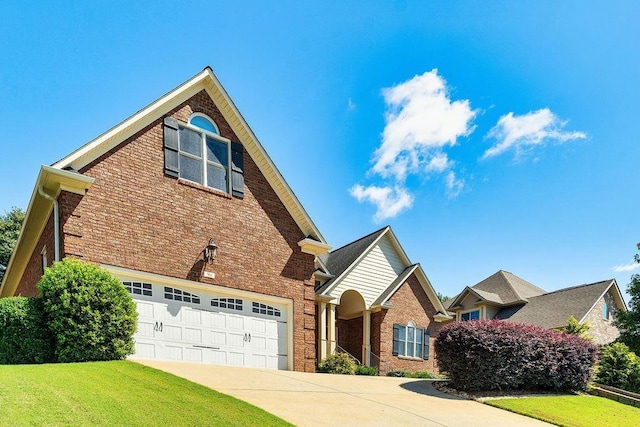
point(339, 349)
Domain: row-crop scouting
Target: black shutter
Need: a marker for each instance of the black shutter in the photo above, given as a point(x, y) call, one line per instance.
point(396, 339)
point(425, 343)
point(171, 144)
point(237, 170)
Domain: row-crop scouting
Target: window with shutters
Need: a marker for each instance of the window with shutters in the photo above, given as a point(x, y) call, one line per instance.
point(410, 341)
point(195, 151)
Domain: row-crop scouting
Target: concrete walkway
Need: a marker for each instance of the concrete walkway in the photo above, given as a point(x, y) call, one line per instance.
point(306, 399)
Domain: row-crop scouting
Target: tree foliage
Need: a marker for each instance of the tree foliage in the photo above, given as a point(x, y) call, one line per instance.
point(629, 322)
point(89, 312)
point(442, 297)
point(575, 328)
point(619, 367)
point(10, 224)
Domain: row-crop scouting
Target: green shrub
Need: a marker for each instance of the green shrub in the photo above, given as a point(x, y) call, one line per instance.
point(90, 314)
point(500, 355)
point(24, 337)
point(619, 367)
point(422, 374)
point(366, 370)
point(398, 373)
point(339, 363)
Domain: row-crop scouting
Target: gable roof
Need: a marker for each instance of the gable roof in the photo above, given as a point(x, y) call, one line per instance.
point(204, 80)
point(338, 260)
point(501, 288)
point(553, 309)
point(342, 260)
point(57, 176)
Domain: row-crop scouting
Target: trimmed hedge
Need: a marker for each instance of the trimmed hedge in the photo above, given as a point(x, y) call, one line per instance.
point(619, 367)
point(89, 313)
point(499, 355)
point(24, 337)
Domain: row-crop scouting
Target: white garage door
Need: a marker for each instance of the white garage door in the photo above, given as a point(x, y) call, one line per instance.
point(196, 326)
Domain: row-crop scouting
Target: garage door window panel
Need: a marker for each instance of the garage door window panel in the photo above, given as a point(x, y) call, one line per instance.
point(229, 303)
point(137, 288)
point(260, 308)
point(180, 295)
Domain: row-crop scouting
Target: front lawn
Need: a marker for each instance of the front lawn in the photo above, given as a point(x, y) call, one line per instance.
point(118, 393)
point(573, 411)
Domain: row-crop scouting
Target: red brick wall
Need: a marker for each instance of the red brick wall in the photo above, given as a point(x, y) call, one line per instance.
point(410, 302)
point(33, 271)
point(350, 336)
point(136, 217)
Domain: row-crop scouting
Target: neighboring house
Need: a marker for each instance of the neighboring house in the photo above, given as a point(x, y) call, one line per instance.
point(506, 296)
point(153, 200)
point(373, 303)
point(183, 204)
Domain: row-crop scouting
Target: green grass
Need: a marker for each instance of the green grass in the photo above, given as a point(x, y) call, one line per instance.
point(573, 411)
point(116, 394)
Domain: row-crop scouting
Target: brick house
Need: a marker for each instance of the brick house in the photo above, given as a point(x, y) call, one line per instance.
point(183, 204)
point(376, 305)
point(506, 296)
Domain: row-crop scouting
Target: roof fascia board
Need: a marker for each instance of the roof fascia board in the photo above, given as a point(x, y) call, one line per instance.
point(205, 80)
point(406, 274)
point(35, 220)
point(114, 136)
point(356, 262)
point(461, 296)
point(429, 290)
point(613, 281)
point(278, 181)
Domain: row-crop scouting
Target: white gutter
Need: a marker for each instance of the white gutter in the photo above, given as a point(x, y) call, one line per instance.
point(56, 222)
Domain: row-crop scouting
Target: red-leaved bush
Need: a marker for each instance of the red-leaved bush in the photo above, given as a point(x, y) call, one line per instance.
point(499, 355)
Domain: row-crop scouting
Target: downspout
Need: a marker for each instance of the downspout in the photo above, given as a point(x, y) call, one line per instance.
point(56, 222)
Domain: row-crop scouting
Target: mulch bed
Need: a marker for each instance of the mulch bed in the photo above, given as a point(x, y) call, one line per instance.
point(481, 396)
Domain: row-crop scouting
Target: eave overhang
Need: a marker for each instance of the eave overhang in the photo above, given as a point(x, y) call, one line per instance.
point(313, 247)
point(52, 181)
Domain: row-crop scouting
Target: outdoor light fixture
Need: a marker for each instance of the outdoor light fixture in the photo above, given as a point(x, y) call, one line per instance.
point(210, 251)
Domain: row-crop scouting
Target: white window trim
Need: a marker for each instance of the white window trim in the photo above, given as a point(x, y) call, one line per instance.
point(470, 311)
point(45, 261)
point(204, 116)
point(412, 324)
point(203, 154)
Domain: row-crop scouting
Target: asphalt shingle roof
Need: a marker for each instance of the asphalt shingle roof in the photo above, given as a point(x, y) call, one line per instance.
point(508, 287)
point(553, 309)
point(339, 260)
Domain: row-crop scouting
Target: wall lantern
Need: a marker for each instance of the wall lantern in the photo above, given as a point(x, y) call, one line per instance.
point(210, 251)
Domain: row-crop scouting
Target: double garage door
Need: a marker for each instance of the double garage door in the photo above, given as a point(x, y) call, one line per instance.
point(177, 323)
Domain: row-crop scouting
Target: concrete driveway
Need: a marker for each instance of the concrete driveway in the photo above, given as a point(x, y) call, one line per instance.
point(306, 399)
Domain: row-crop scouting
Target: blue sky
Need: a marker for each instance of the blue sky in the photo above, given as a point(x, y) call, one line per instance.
point(489, 135)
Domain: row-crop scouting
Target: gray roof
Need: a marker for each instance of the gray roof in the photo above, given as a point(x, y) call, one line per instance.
point(508, 288)
point(339, 260)
point(553, 309)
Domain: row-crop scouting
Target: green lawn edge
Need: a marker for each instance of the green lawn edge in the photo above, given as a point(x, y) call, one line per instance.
point(122, 393)
point(572, 410)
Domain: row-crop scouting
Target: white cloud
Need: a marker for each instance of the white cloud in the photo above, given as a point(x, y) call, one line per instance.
point(626, 267)
point(389, 201)
point(438, 163)
point(421, 120)
point(351, 106)
point(454, 185)
point(527, 130)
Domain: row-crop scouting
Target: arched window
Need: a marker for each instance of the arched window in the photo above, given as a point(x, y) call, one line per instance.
point(204, 122)
point(204, 155)
point(410, 341)
point(196, 151)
